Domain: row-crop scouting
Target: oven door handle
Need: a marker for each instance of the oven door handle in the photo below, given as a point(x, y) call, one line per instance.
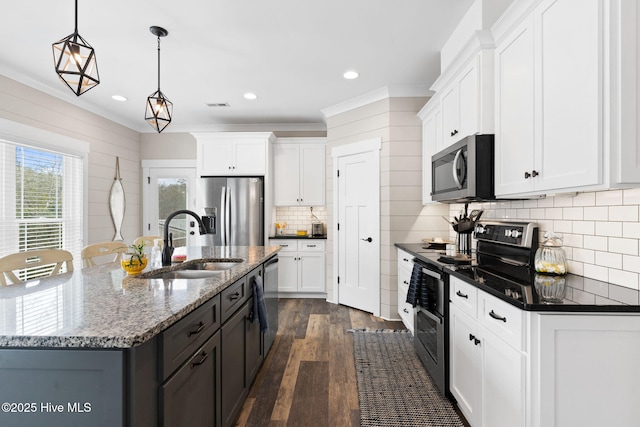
point(431, 316)
point(431, 273)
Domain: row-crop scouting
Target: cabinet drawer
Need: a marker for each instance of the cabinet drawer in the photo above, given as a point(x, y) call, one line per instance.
point(317, 246)
point(501, 318)
point(405, 310)
point(285, 245)
point(405, 260)
point(232, 298)
point(464, 296)
point(179, 342)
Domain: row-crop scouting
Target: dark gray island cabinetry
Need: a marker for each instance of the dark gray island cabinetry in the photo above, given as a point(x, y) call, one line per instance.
point(123, 351)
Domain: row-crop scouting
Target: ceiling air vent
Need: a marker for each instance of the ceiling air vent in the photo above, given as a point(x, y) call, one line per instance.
point(218, 104)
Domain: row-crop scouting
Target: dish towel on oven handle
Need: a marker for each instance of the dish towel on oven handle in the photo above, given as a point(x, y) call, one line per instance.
point(413, 295)
point(259, 306)
point(418, 293)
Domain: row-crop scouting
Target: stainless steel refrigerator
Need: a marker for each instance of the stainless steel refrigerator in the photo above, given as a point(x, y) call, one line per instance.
point(235, 208)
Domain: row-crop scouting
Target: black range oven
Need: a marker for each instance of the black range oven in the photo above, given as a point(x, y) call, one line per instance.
point(430, 323)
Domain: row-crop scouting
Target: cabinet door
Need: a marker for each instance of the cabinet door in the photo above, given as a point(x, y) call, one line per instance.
point(311, 266)
point(233, 375)
point(464, 373)
point(287, 271)
point(503, 383)
point(216, 157)
point(569, 97)
point(312, 175)
point(191, 397)
point(250, 157)
point(450, 115)
point(514, 138)
point(468, 98)
point(429, 148)
point(286, 172)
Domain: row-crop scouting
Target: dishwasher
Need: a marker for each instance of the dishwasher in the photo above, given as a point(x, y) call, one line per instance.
point(271, 301)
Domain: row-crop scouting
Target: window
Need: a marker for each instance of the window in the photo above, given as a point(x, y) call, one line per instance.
point(40, 201)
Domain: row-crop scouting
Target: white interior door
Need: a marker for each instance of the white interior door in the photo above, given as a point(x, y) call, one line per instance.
point(168, 190)
point(358, 216)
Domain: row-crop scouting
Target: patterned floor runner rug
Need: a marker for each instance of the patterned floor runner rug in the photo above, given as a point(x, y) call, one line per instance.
point(394, 389)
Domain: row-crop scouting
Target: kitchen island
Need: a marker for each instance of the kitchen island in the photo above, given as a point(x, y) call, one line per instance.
point(98, 347)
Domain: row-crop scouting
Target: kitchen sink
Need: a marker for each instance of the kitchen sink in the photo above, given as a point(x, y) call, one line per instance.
point(195, 270)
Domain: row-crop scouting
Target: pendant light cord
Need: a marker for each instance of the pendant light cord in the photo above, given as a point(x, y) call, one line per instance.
point(76, 17)
point(158, 62)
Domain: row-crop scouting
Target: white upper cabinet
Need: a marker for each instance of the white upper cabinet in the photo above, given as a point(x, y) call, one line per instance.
point(466, 97)
point(299, 171)
point(558, 84)
point(431, 143)
point(224, 154)
point(514, 102)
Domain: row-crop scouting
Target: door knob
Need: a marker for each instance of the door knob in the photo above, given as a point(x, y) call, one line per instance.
point(368, 239)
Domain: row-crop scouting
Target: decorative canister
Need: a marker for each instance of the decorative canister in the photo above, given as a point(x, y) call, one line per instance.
point(550, 257)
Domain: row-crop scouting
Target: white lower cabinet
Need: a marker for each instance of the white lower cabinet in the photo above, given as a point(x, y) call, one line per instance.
point(586, 371)
point(301, 267)
point(405, 310)
point(488, 364)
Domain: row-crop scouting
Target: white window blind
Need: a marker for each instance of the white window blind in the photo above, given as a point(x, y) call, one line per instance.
point(40, 201)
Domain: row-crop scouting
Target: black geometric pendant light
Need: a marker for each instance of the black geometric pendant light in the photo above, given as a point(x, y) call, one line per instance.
point(75, 62)
point(159, 108)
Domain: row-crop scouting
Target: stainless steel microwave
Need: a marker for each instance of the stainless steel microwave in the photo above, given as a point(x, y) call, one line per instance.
point(464, 171)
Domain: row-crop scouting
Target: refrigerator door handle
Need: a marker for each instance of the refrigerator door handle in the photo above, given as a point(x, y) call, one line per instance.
point(227, 214)
point(223, 218)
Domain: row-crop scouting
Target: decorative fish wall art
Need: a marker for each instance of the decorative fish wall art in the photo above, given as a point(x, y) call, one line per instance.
point(117, 203)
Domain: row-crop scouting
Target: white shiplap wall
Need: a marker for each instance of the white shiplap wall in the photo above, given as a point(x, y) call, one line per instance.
point(403, 219)
point(107, 140)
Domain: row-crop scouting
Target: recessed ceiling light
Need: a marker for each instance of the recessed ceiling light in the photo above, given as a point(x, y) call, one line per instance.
point(250, 95)
point(350, 75)
point(119, 98)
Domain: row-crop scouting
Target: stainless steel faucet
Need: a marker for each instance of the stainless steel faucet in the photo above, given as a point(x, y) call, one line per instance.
point(167, 250)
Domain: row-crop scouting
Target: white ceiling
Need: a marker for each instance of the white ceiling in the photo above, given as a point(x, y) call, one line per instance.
point(291, 53)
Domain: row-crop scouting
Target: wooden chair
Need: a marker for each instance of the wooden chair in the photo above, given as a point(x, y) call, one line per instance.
point(147, 240)
point(90, 252)
point(37, 259)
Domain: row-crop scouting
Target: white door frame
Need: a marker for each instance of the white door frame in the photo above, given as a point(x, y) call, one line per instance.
point(165, 164)
point(371, 145)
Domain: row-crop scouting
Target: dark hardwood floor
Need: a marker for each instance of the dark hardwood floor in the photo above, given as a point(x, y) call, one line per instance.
point(308, 379)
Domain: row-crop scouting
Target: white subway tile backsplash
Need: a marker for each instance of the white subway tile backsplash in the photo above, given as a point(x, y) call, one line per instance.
point(609, 259)
point(631, 263)
point(576, 214)
point(596, 213)
point(553, 213)
point(623, 213)
point(572, 240)
point(545, 202)
point(584, 227)
point(599, 243)
point(623, 246)
point(584, 255)
point(631, 196)
point(623, 278)
point(584, 199)
point(596, 272)
point(631, 230)
point(609, 198)
point(563, 226)
point(611, 229)
point(563, 201)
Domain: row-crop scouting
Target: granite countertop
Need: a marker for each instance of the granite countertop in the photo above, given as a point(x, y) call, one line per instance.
point(574, 293)
point(102, 307)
